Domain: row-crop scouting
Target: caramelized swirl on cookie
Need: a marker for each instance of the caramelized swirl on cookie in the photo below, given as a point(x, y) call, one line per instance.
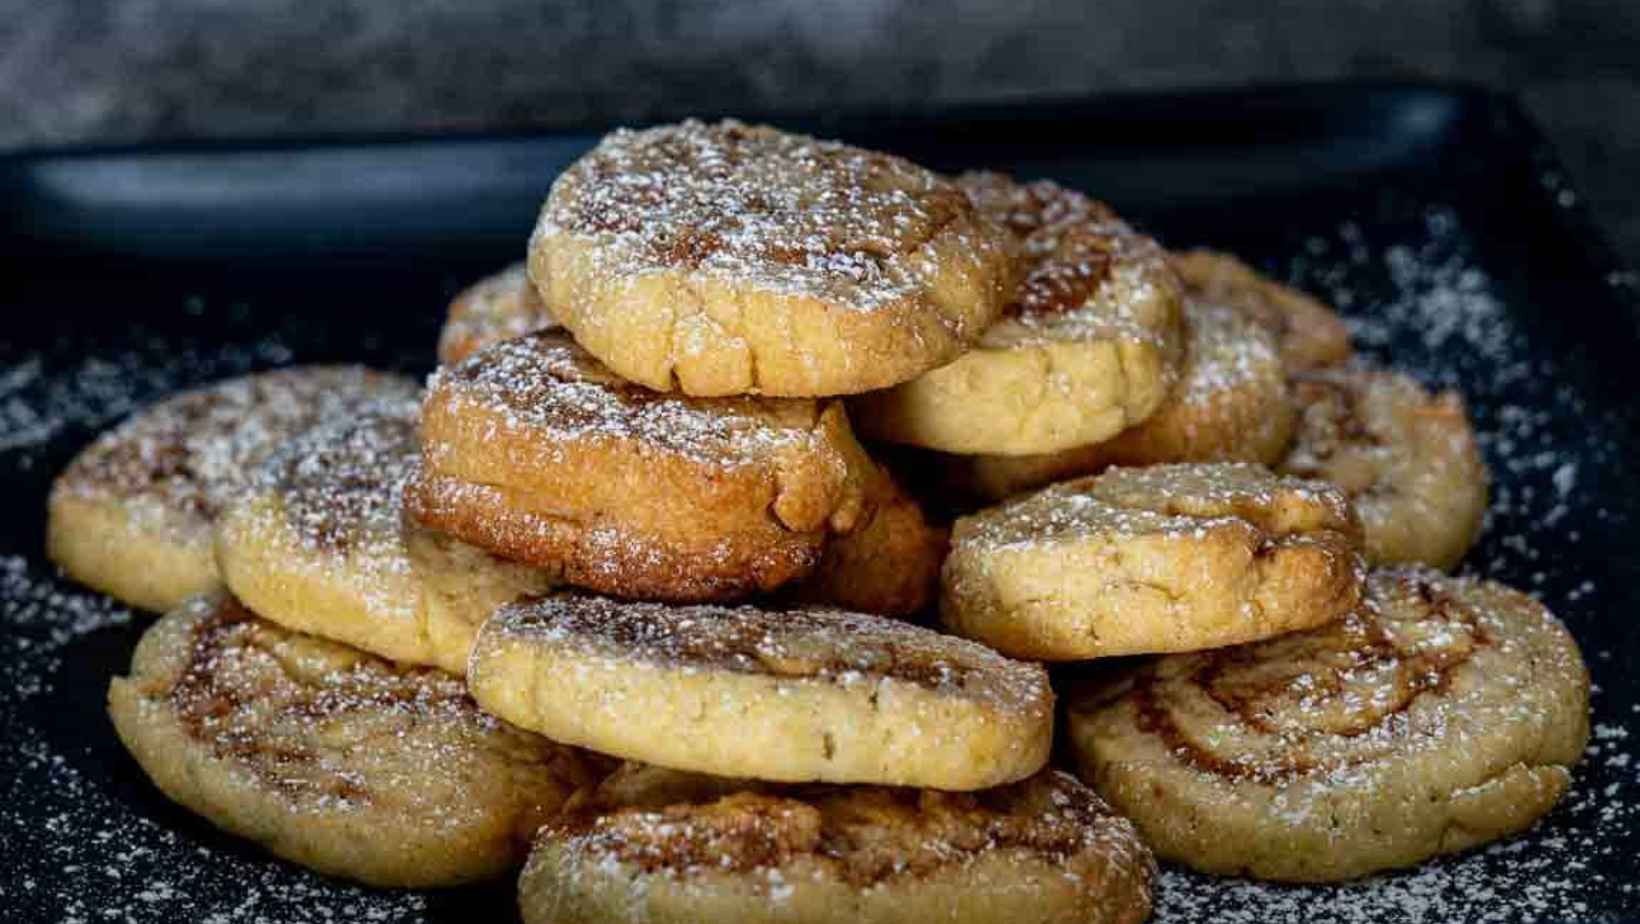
point(1047, 843)
point(331, 757)
point(1441, 713)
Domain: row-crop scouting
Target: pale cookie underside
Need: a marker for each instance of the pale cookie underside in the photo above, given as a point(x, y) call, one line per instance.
point(331, 758)
point(799, 695)
point(1442, 714)
point(1042, 850)
point(1231, 404)
point(131, 516)
point(1090, 344)
point(731, 259)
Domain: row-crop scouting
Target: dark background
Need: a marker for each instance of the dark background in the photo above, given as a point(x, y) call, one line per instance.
point(137, 70)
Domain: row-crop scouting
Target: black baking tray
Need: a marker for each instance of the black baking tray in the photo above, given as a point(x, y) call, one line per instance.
point(1435, 215)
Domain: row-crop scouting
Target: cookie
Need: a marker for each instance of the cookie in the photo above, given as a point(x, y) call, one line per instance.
point(796, 695)
point(318, 542)
point(1231, 404)
point(1141, 560)
point(730, 259)
point(536, 451)
point(131, 515)
point(1443, 713)
point(1310, 334)
point(331, 758)
point(494, 309)
point(1090, 342)
point(889, 564)
point(655, 846)
point(1408, 458)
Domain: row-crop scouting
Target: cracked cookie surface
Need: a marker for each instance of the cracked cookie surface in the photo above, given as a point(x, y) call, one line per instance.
point(496, 308)
point(1154, 559)
point(131, 515)
point(1407, 458)
point(332, 758)
point(653, 845)
point(795, 695)
point(319, 542)
point(722, 259)
point(1089, 344)
point(1441, 714)
point(536, 451)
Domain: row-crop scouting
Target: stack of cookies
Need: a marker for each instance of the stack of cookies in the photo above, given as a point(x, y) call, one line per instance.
point(630, 594)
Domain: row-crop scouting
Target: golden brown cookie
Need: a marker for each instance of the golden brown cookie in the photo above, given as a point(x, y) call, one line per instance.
point(1441, 714)
point(1164, 558)
point(889, 564)
point(732, 259)
point(795, 695)
point(534, 450)
point(331, 758)
point(655, 846)
point(494, 309)
point(1310, 334)
point(131, 515)
point(1407, 458)
point(319, 542)
point(1089, 344)
point(1231, 404)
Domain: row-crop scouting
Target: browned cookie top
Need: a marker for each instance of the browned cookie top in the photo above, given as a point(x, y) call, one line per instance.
point(864, 836)
point(801, 644)
point(189, 454)
point(547, 383)
point(774, 210)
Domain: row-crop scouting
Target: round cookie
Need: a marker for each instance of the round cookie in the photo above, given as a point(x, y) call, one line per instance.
point(318, 542)
point(797, 695)
point(889, 564)
point(534, 450)
point(1143, 560)
point(730, 259)
point(332, 758)
point(1089, 345)
point(1310, 334)
point(667, 847)
point(1407, 458)
point(131, 515)
point(1441, 714)
point(1231, 404)
point(494, 309)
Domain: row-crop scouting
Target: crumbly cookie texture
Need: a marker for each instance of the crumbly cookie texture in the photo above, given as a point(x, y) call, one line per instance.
point(1155, 559)
point(319, 542)
point(536, 451)
point(131, 516)
point(1231, 404)
point(1089, 344)
point(1408, 459)
point(721, 259)
point(796, 695)
point(496, 308)
point(655, 846)
point(331, 758)
point(1310, 334)
point(1441, 714)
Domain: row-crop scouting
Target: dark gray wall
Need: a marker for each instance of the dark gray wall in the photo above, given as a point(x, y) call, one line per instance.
point(125, 70)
